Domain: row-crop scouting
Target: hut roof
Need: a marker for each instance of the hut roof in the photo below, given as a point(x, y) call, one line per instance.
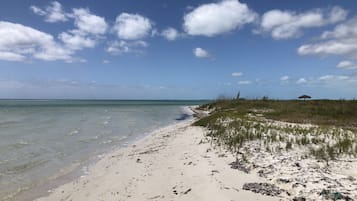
point(304, 96)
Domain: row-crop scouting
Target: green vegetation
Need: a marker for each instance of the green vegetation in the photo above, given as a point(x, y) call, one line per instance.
point(341, 113)
point(235, 122)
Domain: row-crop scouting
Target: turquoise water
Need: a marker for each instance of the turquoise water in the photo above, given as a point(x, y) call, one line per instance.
point(44, 140)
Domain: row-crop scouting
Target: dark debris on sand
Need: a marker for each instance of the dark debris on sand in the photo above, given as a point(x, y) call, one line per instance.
point(263, 188)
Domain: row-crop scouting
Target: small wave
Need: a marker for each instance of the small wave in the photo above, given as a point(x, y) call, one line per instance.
point(94, 137)
point(25, 166)
point(65, 170)
point(17, 145)
point(21, 143)
point(13, 194)
point(73, 132)
point(119, 138)
point(106, 142)
point(186, 113)
point(85, 170)
point(9, 122)
point(90, 139)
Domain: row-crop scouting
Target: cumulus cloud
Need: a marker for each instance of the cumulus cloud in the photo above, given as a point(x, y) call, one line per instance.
point(288, 24)
point(342, 40)
point(201, 53)
point(19, 42)
point(333, 77)
point(326, 77)
point(84, 20)
point(52, 13)
point(89, 29)
point(237, 74)
point(11, 56)
point(244, 82)
point(170, 34)
point(218, 18)
point(122, 46)
point(347, 65)
point(88, 22)
point(284, 78)
point(301, 81)
point(76, 41)
point(329, 80)
point(132, 26)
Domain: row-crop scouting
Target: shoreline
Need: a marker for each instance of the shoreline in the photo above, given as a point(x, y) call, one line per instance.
point(180, 162)
point(171, 163)
point(77, 170)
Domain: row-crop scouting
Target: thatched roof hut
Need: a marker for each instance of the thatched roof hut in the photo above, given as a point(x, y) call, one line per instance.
point(304, 97)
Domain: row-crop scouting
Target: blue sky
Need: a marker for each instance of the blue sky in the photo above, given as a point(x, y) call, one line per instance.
point(161, 49)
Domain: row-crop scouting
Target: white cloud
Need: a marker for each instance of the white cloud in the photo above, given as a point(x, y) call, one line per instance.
point(343, 30)
point(340, 41)
point(84, 20)
point(218, 18)
point(131, 29)
point(333, 78)
point(237, 74)
point(244, 82)
point(347, 65)
point(200, 53)
point(325, 77)
point(105, 61)
point(19, 42)
point(301, 81)
point(76, 41)
point(88, 22)
point(37, 10)
point(285, 78)
point(89, 30)
point(122, 46)
point(288, 24)
point(11, 56)
point(53, 12)
point(170, 34)
point(340, 81)
point(332, 47)
point(132, 26)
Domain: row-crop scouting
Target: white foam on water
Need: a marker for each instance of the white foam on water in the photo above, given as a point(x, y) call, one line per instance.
point(73, 132)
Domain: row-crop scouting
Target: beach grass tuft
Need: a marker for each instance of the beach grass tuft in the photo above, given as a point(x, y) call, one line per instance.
point(331, 131)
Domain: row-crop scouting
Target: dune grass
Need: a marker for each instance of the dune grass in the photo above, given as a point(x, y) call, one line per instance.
point(341, 113)
point(235, 122)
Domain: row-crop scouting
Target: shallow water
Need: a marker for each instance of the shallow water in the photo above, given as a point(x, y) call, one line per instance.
point(46, 140)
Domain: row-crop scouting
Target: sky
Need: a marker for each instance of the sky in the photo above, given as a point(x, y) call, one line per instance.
point(165, 49)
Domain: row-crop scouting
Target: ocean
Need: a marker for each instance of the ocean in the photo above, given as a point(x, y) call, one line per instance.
point(44, 143)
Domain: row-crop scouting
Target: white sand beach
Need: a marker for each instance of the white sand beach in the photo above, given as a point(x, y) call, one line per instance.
point(170, 164)
point(178, 162)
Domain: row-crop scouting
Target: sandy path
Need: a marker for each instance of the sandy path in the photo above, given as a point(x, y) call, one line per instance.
point(169, 164)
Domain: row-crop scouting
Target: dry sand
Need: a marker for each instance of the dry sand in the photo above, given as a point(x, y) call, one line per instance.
point(170, 164)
